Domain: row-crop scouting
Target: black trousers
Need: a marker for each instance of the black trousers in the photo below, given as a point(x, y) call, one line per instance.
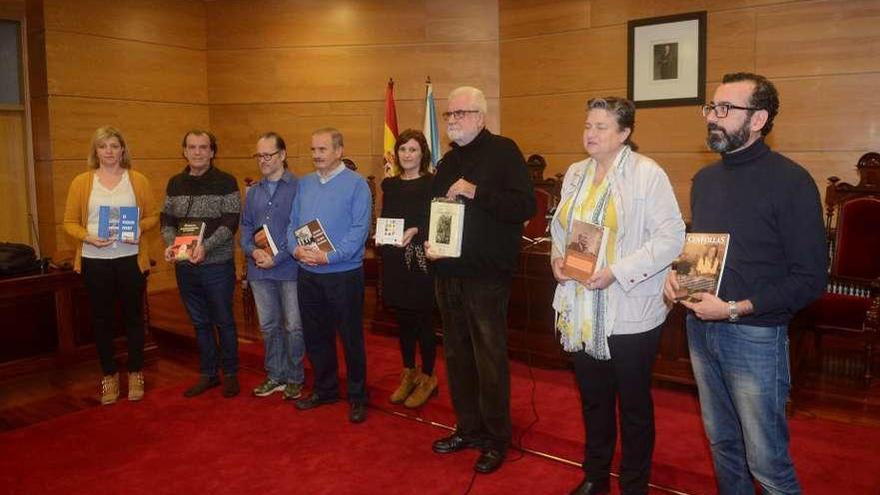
point(474, 313)
point(329, 302)
point(627, 377)
point(108, 282)
point(415, 327)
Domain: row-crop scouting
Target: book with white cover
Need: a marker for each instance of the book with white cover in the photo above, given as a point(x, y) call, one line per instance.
point(446, 227)
point(389, 231)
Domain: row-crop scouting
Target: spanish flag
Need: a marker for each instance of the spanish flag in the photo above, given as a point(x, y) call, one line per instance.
point(390, 134)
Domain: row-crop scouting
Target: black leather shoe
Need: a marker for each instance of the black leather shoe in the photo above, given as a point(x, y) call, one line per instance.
point(489, 461)
point(588, 487)
point(358, 412)
point(230, 386)
point(312, 402)
point(454, 443)
point(205, 382)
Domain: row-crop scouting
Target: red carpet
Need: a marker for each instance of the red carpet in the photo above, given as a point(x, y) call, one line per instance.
point(168, 444)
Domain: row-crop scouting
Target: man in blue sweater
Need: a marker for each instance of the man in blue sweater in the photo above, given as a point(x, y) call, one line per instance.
point(776, 265)
point(331, 284)
point(272, 275)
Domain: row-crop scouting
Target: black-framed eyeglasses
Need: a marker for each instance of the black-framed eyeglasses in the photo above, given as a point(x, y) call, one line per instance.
point(457, 114)
point(722, 109)
point(262, 157)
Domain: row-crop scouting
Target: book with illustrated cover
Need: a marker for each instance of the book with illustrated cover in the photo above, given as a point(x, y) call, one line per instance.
point(446, 227)
point(263, 240)
point(313, 234)
point(189, 236)
point(108, 222)
point(584, 248)
point(701, 264)
point(389, 231)
point(129, 223)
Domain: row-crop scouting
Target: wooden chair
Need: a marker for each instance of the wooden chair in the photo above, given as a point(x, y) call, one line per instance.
point(546, 197)
point(851, 303)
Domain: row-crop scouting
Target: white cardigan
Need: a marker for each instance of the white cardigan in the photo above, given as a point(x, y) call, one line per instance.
point(650, 236)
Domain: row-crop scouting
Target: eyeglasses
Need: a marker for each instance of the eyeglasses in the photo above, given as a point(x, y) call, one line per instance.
point(264, 157)
point(722, 109)
point(457, 114)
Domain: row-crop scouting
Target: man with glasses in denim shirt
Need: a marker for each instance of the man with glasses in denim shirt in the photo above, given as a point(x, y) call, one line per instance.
point(488, 173)
point(272, 277)
point(776, 265)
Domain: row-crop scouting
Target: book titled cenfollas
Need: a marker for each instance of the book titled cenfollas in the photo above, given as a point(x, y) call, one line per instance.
point(313, 234)
point(446, 227)
point(189, 237)
point(701, 264)
point(584, 248)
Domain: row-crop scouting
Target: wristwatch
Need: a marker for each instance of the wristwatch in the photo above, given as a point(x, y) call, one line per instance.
point(732, 312)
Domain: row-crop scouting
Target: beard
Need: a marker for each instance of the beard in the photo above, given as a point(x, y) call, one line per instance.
point(721, 141)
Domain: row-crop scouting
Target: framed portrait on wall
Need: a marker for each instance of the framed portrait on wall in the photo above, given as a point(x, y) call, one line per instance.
point(667, 60)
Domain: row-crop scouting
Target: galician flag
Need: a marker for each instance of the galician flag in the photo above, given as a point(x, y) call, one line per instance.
point(430, 127)
point(390, 133)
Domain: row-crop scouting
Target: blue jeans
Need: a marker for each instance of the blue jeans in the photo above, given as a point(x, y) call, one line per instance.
point(742, 375)
point(278, 309)
point(206, 291)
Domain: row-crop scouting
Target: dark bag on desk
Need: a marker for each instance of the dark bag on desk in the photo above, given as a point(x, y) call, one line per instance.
point(17, 259)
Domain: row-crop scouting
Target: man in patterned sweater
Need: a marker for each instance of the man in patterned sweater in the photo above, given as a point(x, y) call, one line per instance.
point(202, 193)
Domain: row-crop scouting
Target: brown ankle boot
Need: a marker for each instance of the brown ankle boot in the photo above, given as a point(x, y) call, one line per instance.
point(407, 384)
point(135, 385)
point(426, 386)
point(109, 389)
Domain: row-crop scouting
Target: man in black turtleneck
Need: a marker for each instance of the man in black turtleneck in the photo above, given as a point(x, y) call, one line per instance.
point(776, 265)
point(488, 173)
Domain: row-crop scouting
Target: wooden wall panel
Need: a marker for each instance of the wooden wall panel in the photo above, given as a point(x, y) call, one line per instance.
point(15, 226)
point(609, 12)
point(153, 130)
point(729, 46)
point(830, 37)
point(525, 18)
point(85, 65)
point(461, 20)
point(347, 73)
point(834, 113)
point(164, 22)
point(236, 24)
point(559, 63)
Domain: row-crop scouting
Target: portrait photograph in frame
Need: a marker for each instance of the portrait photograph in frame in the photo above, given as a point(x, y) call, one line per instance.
point(667, 60)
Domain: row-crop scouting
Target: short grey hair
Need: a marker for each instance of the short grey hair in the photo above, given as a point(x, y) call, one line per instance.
point(476, 96)
point(335, 136)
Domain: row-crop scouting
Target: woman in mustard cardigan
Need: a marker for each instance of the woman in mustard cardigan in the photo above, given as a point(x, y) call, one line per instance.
point(112, 269)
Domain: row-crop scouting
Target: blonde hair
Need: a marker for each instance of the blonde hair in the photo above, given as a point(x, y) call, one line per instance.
point(102, 134)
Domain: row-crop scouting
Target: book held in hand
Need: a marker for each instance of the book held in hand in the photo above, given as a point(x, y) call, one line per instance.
point(584, 248)
point(313, 234)
point(129, 223)
point(701, 264)
point(189, 237)
point(446, 227)
point(263, 240)
point(118, 223)
point(108, 223)
point(389, 231)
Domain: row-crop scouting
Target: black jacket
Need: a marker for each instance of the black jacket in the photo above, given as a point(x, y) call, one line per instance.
point(493, 220)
